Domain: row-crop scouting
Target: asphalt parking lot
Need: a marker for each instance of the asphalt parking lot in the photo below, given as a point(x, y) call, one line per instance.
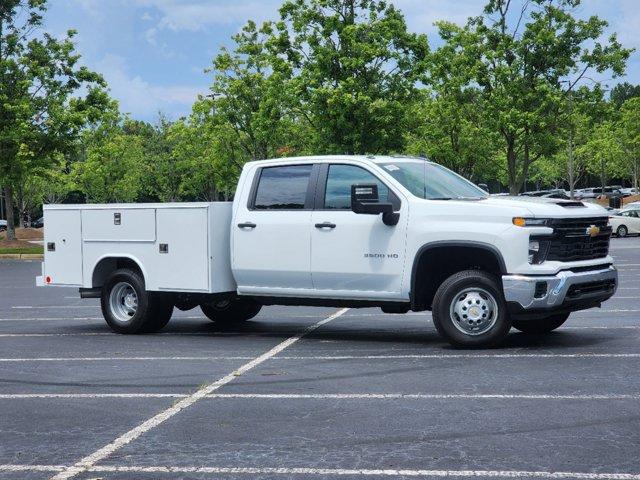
point(313, 393)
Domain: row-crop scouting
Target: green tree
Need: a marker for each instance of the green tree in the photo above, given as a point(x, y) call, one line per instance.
point(114, 166)
point(603, 153)
point(41, 111)
point(355, 68)
point(623, 92)
point(249, 95)
point(453, 131)
point(629, 134)
point(525, 62)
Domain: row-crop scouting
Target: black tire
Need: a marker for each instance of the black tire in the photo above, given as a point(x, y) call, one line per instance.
point(152, 310)
point(622, 231)
point(488, 322)
point(544, 325)
point(232, 310)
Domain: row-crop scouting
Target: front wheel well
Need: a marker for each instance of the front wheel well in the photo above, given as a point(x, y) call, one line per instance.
point(434, 264)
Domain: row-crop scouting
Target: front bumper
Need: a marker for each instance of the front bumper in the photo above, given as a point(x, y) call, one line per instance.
point(564, 292)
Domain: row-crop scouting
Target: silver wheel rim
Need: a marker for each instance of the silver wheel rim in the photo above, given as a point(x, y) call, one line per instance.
point(622, 231)
point(123, 302)
point(474, 311)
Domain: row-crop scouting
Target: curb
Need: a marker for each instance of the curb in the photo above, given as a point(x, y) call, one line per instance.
point(21, 256)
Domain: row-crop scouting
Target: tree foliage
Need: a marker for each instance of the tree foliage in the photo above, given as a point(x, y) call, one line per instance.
point(41, 110)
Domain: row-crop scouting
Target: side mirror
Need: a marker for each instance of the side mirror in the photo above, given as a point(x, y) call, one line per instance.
point(484, 187)
point(365, 201)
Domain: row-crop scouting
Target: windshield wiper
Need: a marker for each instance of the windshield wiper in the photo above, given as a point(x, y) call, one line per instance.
point(440, 198)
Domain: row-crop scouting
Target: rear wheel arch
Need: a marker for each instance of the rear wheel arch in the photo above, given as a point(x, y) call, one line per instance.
point(434, 262)
point(108, 264)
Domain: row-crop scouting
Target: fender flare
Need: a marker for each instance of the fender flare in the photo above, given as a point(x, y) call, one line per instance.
point(452, 243)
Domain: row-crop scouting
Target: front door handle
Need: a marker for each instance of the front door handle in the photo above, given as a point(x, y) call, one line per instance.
point(247, 225)
point(326, 225)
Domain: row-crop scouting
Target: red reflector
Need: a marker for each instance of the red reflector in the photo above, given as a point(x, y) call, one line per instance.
point(47, 279)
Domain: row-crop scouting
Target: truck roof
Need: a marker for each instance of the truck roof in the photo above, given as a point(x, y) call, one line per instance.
point(333, 158)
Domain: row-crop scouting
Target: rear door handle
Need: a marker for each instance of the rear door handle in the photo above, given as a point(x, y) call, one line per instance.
point(247, 225)
point(326, 225)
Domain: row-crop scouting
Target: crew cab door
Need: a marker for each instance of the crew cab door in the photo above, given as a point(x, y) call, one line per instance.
point(272, 231)
point(355, 256)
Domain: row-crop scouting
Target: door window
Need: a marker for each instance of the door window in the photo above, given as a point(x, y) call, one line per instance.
point(339, 180)
point(283, 188)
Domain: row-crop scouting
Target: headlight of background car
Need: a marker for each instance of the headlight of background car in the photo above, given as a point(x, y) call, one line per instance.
point(538, 249)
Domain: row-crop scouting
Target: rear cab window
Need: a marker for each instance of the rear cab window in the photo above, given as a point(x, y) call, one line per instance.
point(282, 188)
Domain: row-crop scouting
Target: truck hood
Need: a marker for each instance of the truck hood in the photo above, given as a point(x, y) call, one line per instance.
point(542, 207)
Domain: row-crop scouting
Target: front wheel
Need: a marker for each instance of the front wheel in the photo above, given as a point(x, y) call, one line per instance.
point(469, 310)
point(544, 325)
point(231, 310)
point(622, 231)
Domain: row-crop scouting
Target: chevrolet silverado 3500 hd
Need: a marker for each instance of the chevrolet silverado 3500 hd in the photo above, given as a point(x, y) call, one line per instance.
point(393, 232)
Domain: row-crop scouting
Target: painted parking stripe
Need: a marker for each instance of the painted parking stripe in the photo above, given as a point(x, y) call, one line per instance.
point(247, 334)
point(330, 472)
point(126, 359)
point(91, 460)
point(419, 396)
point(26, 396)
point(323, 396)
point(435, 356)
point(31, 468)
point(48, 307)
point(444, 356)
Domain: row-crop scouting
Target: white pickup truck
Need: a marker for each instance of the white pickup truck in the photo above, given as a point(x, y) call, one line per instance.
point(397, 233)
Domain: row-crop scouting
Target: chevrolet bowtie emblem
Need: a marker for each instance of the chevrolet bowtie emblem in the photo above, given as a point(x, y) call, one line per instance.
point(593, 231)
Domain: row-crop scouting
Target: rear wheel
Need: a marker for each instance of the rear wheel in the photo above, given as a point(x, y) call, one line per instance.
point(545, 325)
point(129, 308)
point(469, 310)
point(622, 231)
point(231, 310)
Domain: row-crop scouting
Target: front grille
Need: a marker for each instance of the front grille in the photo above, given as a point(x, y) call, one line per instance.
point(571, 242)
point(581, 289)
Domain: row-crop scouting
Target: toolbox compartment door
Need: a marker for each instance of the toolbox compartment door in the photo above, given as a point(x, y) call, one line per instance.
point(63, 247)
point(182, 253)
point(119, 225)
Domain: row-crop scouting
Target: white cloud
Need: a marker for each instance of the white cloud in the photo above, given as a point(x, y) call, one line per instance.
point(192, 15)
point(422, 14)
point(141, 98)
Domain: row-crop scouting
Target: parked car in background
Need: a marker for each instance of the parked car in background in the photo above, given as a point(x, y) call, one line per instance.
point(555, 193)
point(626, 222)
point(39, 223)
point(3, 225)
point(627, 192)
point(632, 205)
point(595, 192)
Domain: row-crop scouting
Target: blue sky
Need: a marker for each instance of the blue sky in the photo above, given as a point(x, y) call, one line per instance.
point(153, 52)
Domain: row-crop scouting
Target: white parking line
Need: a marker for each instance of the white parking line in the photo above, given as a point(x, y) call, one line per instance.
point(91, 460)
point(330, 472)
point(111, 359)
point(323, 396)
point(435, 356)
point(48, 307)
point(31, 468)
point(26, 396)
point(443, 356)
point(418, 396)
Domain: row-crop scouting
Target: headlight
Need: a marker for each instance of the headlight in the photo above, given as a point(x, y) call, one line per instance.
point(531, 222)
point(538, 250)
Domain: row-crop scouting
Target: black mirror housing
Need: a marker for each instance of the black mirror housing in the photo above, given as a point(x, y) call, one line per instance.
point(365, 201)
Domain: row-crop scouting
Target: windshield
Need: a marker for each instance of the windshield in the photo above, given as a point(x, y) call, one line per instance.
point(431, 181)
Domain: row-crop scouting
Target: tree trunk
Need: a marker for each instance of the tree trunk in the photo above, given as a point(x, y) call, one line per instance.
point(571, 169)
point(514, 188)
point(8, 202)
